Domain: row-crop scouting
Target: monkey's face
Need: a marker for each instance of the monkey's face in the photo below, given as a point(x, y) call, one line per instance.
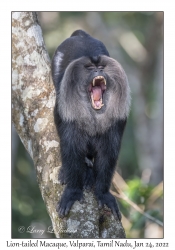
point(101, 81)
point(94, 89)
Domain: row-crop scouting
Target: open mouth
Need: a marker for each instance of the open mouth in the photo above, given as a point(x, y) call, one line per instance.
point(97, 89)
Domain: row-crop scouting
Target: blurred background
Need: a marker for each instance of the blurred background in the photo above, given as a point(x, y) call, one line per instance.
point(135, 39)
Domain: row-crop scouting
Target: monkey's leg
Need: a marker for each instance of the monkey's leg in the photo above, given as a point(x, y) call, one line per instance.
point(74, 189)
point(72, 192)
point(104, 168)
point(88, 176)
point(107, 147)
point(73, 167)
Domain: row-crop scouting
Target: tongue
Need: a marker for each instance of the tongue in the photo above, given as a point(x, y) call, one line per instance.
point(97, 93)
point(97, 103)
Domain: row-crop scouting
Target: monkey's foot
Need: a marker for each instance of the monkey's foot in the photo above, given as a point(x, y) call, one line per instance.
point(109, 200)
point(68, 198)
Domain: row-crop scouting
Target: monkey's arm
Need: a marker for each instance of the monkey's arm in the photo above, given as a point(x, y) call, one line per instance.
point(73, 166)
point(104, 165)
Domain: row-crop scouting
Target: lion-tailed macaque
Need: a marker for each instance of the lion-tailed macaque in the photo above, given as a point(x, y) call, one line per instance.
point(91, 109)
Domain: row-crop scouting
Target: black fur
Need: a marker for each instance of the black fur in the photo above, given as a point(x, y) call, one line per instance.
point(88, 157)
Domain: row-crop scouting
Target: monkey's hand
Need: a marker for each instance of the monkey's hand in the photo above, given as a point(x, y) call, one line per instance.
point(68, 198)
point(109, 200)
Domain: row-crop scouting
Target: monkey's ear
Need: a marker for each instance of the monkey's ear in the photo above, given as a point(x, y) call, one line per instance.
point(57, 68)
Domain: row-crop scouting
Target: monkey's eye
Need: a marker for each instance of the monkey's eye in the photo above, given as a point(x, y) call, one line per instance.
point(90, 67)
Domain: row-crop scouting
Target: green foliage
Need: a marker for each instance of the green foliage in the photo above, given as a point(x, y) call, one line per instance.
point(139, 193)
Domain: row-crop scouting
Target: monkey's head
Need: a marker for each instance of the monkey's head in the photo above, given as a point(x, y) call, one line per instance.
point(94, 87)
point(98, 80)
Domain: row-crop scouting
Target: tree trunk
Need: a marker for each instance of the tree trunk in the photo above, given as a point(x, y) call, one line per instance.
point(33, 98)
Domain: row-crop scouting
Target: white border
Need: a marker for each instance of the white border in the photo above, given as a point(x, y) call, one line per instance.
point(169, 95)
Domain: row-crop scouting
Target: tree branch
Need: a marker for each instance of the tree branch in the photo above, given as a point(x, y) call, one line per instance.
point(33, 98)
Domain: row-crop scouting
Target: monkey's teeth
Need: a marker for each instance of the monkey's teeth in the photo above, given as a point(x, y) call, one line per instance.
point(98, 77)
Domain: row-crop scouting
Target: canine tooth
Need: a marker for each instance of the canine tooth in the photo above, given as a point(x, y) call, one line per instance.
point(93, 83)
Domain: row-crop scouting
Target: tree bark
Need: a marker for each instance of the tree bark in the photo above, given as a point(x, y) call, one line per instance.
point(33, 98)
